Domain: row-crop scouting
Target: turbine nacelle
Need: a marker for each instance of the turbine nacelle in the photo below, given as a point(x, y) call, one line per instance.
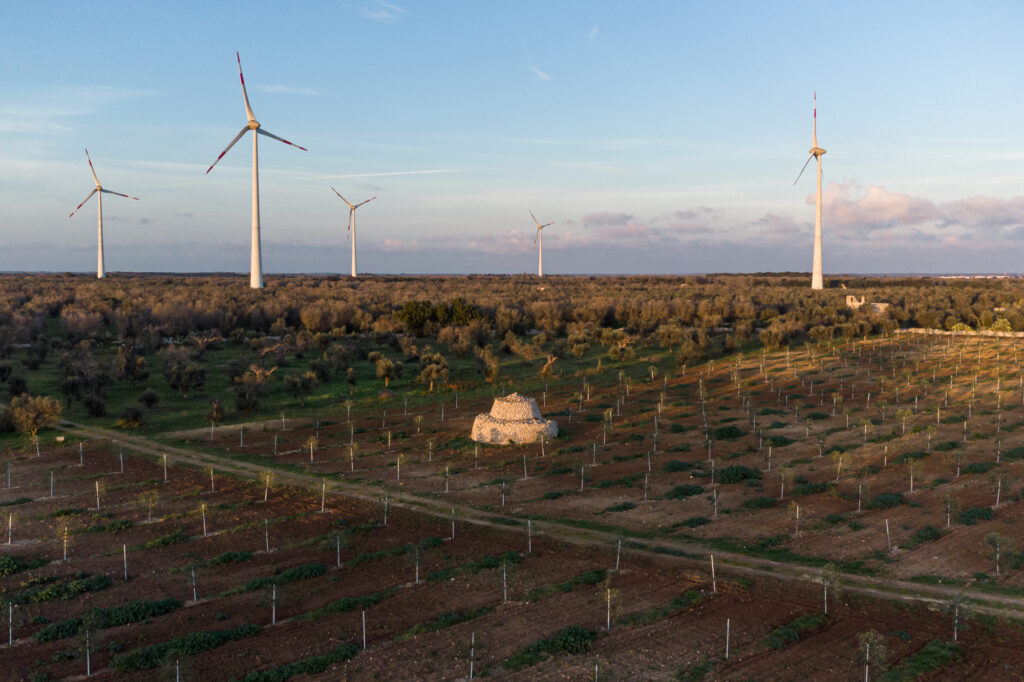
point(253, 124)
point(817, 151)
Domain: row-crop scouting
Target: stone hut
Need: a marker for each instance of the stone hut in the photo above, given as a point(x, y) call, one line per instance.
point(512, 419)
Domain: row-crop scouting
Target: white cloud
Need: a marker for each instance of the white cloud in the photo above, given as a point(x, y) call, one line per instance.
point(383, 12)
point(541, 74)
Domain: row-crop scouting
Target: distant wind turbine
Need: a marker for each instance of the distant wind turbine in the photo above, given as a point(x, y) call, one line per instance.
point(352, 224)
point(539, 240)
point(256, 258)
point(816, 153)
point(98, 190)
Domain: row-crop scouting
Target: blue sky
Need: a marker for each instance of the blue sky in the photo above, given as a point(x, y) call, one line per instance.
point(661, 136)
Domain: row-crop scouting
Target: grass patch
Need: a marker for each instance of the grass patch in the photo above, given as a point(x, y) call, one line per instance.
point(135, 612)
point(934, 655)
point(886, 501)
point(681, 492)
point(971, 516)
point(9, 565)
point(446, 620)
point(571, 640)
point(620, 507)
point(586, 578)
point(313, 665)
point(191, 644)
point(784, 635)
point(657, 613)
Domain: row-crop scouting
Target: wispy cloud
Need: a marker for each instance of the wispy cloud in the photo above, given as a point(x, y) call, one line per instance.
point(387, 173)
point(585, 165)
point(286, 90)
point(593, 32)
point(49, 110)
point(384, 12)
point(544, 76)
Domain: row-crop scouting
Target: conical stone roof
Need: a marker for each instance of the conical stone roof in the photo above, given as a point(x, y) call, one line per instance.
point(513, 419)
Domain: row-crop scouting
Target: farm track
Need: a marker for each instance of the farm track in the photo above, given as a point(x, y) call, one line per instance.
point(727, 562)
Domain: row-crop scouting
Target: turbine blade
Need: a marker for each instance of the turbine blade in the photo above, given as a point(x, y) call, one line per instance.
point(343, 199)
point(91, 169)
point(237, 138)
point(546, 225)
point(261, 131)
point(365, 202)
point(83, 201)
point(534, 218)
point(245, 96)
point(126, 196)
point(803, 169)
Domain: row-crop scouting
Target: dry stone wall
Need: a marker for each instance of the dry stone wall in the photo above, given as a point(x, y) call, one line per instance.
point(512, 419)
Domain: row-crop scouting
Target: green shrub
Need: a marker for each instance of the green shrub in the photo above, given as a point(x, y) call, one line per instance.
point(729, 432)
point(778, 441)
point(886, 501)
point(135, 612)
point(674, 465)
point(174, 538)
point(932, 656)
point(314, 665)
point(229, 558)
point(760, 503)
point(695, 672)
point(812, 488)
point(346, 604)
point(190, 645)
point(695, 521)
point(737, 473)
point(303, 572)
point(784, 635)
point(446, 620)
point(977, 467)
point(592, 577)
point(620, 507)
point(571, 640)
point(9, 565)
point(657, 613)
point(971, 516)
point(49, 589)
point(681, 492)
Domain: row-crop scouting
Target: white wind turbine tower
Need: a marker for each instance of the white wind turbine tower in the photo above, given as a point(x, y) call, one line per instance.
point(352, 224)
point(539, 240)
point(256, 258)
point(98, 190)
point(816, 153)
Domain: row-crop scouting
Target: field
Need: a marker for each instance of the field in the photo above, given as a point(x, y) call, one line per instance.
point(831, 429)
point(664, 615)
point(231, 505)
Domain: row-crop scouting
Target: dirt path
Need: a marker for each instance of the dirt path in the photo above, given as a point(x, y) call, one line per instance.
point(665, 548)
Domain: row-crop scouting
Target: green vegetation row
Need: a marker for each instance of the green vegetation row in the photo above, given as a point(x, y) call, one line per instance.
point(101, 619)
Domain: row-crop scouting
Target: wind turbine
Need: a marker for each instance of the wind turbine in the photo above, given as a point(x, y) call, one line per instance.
point(816, 153)
point(352, 224)
point(98, 190)
point(256, 258)
point(539, 240)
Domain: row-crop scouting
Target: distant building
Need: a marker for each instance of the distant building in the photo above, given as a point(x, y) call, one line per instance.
point(854, 304)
